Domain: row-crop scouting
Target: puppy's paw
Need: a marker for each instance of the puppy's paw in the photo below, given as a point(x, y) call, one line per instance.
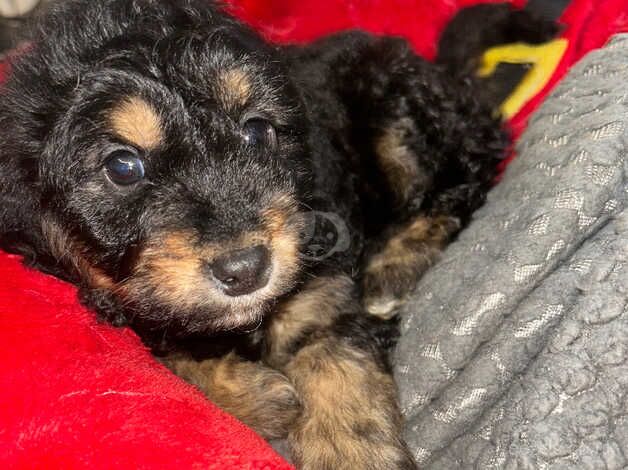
point(277, 406)
point(262, 398)
point(384, 307)
point(392, 273)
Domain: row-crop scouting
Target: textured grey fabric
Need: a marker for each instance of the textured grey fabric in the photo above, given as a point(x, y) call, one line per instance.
point(514, 349)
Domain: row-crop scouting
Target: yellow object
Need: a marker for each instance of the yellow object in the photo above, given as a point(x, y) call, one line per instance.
point(543, 58)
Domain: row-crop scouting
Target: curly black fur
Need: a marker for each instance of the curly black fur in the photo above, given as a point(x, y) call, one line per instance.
point(328, 102)
point(348, 112)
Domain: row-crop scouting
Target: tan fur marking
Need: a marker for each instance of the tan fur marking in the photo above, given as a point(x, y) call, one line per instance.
point(138, 122)
point(397, 161)
point(282, 226)
point(237, 85)
point(261, 397)
point(172, 267)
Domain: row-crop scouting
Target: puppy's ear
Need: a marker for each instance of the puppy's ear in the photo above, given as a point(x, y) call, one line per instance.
point(19, 201)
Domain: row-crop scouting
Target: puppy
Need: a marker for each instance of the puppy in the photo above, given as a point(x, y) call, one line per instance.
point(168, 161)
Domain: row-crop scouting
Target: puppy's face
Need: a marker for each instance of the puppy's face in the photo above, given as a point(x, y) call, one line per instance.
point(171, 179)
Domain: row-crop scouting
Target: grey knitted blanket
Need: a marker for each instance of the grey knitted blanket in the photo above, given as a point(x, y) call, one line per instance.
point(514, 348)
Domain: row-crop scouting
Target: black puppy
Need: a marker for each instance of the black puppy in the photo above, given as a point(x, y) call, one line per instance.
point(168, 161)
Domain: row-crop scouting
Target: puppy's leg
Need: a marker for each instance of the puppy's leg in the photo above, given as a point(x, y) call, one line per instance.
point(397, 263)
point(261, 397)
point(350, 417)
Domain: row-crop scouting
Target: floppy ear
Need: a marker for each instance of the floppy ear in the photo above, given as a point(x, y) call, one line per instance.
point(21, 229)
point(24, 115)
point(19, 203)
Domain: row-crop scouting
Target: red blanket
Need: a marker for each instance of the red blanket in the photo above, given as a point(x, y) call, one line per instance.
point(75, 393)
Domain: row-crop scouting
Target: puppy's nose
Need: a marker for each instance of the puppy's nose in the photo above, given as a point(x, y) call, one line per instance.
point(241, 272)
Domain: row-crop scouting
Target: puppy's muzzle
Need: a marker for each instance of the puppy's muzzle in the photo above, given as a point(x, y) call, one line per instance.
point(241, 272)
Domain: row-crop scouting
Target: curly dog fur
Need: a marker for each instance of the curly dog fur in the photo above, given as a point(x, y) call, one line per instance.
point(167, 160)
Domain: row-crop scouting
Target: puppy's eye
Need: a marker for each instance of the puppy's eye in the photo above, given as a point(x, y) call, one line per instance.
point(124, 167)
point(259, 133)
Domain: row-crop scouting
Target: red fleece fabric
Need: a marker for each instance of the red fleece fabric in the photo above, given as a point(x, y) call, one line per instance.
point(76, 393)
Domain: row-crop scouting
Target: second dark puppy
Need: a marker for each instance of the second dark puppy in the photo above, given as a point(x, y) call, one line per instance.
point(167, 160)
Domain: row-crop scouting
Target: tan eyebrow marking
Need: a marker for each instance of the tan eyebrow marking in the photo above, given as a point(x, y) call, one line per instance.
point(138, 122)
point(237, 84)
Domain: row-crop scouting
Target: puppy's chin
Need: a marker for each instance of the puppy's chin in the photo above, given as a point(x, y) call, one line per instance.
point(237, 319)
point(211, 314)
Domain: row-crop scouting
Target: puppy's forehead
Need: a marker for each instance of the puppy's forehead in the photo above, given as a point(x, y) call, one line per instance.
point(232, 69)
point(136, 121)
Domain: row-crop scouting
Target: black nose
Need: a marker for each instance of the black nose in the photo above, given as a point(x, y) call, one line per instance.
point(241, 272)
